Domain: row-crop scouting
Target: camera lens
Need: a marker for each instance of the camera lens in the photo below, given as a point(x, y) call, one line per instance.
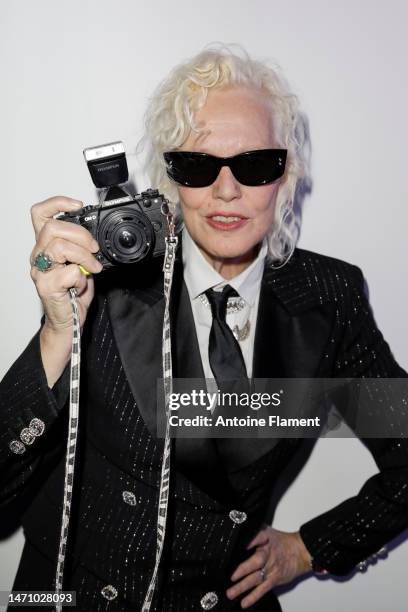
point(125, 235)
point(127, 239)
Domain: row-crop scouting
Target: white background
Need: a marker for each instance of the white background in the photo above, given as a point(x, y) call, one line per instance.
point(79, 73)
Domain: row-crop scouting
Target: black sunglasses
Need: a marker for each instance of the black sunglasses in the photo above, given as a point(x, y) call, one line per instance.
point(252, 168)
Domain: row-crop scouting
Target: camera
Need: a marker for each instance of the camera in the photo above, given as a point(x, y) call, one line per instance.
point(128, 228)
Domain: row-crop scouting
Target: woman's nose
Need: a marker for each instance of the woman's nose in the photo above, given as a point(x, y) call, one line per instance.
point(226, 187)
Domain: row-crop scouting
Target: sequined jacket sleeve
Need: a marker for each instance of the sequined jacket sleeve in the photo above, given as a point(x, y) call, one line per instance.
point(358, 527)
point(30, 428)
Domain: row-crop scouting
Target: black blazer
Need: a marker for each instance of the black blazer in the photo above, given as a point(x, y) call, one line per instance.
point(315, 316)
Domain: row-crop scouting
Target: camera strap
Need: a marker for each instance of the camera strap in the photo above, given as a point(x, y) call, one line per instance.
point(71, 443)
point(168, 268)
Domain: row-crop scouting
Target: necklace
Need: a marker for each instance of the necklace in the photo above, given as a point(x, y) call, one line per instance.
point(243, 332)
point(233, 305)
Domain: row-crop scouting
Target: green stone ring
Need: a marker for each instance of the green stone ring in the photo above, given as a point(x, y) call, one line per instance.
point(43, 262)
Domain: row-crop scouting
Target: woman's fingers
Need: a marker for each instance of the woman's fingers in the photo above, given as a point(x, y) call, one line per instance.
point(63, 230)
point(259, 591)
point(253, 579)
point(62, 251)
point(55, 283)
point(44, 211)
point(261, 538)
point(254, 563)
point(69, 246)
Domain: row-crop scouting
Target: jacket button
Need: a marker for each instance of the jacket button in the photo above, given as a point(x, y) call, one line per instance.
point(36, 427)
point(209, 601)
point(26, 436)
point(362, 566)
point(237, 516)
point(109, 592)
point(129, 498)
point(17, 447)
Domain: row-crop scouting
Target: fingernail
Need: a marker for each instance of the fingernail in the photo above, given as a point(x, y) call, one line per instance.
point(95, 245)
point(76, 205)
point(84, 271)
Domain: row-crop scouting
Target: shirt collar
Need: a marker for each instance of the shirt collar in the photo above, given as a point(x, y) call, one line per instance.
point(199, 275)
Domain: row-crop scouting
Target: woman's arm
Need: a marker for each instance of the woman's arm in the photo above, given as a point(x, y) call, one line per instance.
point(29, 411)
point(358, 527)
point(28, 407)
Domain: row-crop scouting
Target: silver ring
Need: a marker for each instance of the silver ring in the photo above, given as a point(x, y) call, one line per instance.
point(43, 262)
point(262, 571)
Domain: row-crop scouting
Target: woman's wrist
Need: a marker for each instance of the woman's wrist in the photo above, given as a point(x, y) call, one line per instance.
point(305, 558)
point(55, 347)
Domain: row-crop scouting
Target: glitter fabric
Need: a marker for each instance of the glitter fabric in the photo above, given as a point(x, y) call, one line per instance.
point(315, 314)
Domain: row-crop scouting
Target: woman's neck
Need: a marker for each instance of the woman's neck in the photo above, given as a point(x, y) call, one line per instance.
point(230, 267)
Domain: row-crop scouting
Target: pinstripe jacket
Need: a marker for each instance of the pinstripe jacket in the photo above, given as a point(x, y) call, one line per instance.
point(316, 314)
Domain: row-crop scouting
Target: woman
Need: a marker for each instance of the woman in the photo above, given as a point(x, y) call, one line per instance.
point(225, 143)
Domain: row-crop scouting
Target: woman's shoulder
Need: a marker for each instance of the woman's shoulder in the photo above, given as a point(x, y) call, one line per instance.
point(311, 278)
point(325, 264)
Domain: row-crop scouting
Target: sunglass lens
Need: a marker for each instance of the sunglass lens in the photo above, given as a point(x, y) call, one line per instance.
point(259, 167)
point(191, 169)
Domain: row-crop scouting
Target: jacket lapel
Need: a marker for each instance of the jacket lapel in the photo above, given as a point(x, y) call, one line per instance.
point(136, 315)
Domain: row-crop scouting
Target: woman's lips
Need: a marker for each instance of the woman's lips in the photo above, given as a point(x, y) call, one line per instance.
point(226, 221)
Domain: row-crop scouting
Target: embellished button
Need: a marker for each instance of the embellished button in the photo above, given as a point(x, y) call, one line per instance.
point(129, 498)
point(36, 427)
point(26, 436)
point(17, 447)
point(237, 516)
point(209, 600)
point(362, 566)
point(109, 592)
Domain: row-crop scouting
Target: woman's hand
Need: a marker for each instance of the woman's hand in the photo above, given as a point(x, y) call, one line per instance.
point(67, 245)
point(63, 242)
point(279, 558)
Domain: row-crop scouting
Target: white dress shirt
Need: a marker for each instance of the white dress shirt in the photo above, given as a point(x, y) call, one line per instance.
point(199, 276)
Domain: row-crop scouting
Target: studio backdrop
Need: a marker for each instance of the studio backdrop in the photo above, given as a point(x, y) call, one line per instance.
point(79, 73)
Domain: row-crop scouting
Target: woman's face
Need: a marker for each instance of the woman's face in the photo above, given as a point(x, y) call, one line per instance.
point(232, 121)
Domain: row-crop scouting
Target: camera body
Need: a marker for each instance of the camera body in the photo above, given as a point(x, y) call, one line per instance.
point(127, 232)
point(127, 228)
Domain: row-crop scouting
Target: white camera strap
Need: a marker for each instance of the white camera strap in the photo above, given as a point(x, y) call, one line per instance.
point(71, 443)
point(168, 268)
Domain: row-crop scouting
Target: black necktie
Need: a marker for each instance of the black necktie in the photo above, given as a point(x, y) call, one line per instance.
point(226, 360)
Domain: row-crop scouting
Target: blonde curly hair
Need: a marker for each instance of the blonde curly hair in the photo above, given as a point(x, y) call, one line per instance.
point(169, 118)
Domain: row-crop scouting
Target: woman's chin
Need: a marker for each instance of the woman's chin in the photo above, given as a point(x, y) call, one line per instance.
point(232, 253)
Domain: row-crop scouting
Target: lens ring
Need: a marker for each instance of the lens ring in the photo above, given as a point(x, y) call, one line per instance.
point(125, 236)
